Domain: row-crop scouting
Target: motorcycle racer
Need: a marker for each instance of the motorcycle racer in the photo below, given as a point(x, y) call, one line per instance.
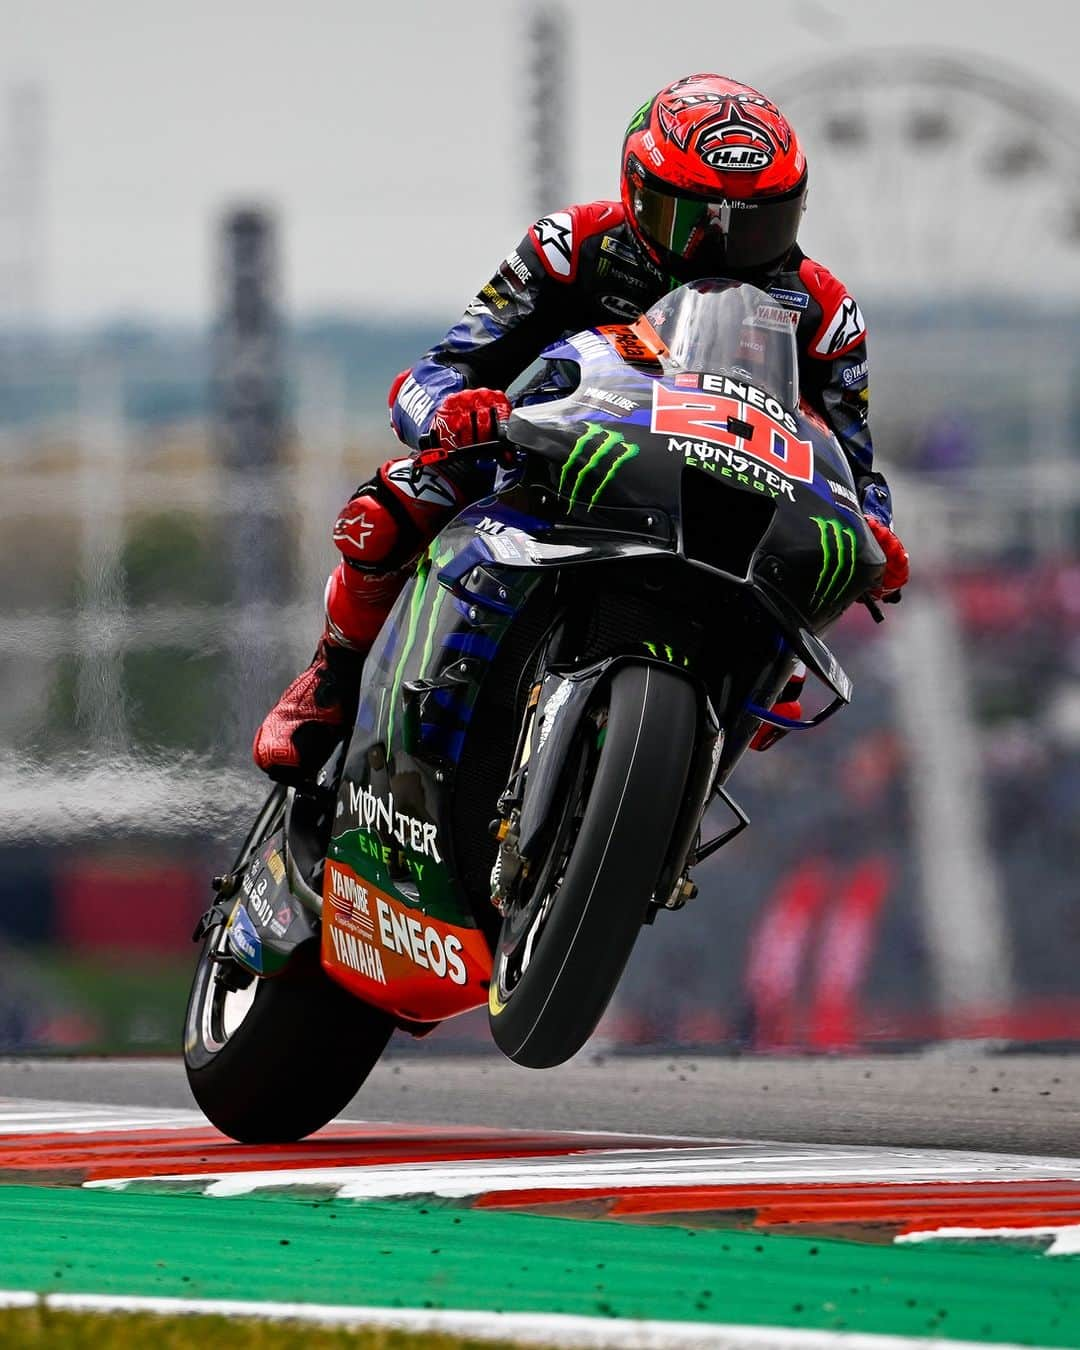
point(713, 183)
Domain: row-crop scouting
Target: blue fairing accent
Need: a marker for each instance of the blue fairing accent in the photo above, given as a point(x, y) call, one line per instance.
point(505, 515)
point(450, 699)
point(776, 719)
point(244, 940)
point(442, 741)
point(821, 487)
point(389, 640)
point(472, 644)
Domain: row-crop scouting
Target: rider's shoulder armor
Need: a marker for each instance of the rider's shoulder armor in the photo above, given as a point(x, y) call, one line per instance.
point(559, 238)
point(831, 324)
point(831, 337)
point(591, 249)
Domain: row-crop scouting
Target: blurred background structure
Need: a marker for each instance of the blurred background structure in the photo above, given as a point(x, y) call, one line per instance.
point(219, 241)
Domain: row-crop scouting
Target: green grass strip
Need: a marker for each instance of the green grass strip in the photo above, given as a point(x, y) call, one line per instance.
point(288, 1247)
point(30, 1328)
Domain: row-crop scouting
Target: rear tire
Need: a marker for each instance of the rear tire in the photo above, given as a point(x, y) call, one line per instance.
point(574, 951)
point(272, 1060)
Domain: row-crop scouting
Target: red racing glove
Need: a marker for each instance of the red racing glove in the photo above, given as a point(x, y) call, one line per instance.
point(395, 387)
point(897, 568)
point(469, 417)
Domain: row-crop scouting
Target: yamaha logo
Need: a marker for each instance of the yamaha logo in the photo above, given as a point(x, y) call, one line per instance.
point(735, 157)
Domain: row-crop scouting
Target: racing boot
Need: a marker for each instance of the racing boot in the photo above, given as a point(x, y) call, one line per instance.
point(319, 707)
point(298, 734)
point(380, 531)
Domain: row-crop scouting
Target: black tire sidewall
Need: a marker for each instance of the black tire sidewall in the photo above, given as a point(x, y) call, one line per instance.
point(303, 1049)
point(620, 851)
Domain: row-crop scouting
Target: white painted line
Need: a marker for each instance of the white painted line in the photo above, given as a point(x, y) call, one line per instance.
point(17, 1298)
point(30, 1117)
point(1066, 1236)
point(590, 1333)
point(629, 1169)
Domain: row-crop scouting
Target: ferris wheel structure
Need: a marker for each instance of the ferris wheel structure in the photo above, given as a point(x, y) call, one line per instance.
point(934, 175)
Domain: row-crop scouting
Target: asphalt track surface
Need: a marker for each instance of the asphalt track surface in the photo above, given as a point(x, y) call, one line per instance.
point(950, 1098)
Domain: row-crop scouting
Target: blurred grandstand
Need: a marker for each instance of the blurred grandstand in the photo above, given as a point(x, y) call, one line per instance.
point(910, 872)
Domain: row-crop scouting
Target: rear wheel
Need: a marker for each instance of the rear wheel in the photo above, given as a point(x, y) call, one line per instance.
point(563, 946)
point(272, 1060)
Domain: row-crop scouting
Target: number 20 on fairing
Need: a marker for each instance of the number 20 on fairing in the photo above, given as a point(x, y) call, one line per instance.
point(692, 412)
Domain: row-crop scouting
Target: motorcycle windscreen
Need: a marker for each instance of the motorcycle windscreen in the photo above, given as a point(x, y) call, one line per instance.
point(730, 328)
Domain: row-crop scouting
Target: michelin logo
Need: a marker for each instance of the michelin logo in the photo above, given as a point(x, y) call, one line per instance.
point(792, 299)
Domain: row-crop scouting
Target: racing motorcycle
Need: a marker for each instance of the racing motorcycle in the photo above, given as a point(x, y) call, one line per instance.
point(568, 680)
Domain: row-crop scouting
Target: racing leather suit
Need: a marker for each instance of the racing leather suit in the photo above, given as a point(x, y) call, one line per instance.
point(575, 269)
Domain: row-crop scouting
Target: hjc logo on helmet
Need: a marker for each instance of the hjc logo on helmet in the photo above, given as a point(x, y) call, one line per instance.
point(735, 142)
point(736, 157)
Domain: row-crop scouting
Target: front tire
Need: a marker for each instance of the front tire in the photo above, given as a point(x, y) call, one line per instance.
point(270, 1061)
point(560, 957)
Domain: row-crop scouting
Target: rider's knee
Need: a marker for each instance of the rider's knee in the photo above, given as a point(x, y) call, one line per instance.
point(390, 519)
point(357, 603)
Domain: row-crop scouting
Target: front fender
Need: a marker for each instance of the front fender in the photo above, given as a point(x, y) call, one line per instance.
point(564, 698)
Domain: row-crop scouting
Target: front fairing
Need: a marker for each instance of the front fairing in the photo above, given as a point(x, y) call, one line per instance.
point(637, 450)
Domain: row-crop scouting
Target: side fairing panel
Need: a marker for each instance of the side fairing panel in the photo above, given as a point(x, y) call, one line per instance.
point(398, 929)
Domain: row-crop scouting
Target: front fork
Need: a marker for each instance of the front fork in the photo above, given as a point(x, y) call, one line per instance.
point(533, 798)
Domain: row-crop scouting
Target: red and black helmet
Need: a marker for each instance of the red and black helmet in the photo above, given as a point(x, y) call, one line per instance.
point(713, 180)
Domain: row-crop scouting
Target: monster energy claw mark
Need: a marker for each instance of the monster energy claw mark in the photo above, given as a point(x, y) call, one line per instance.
point(640, 117)
point(837, 560)
point(601, 443)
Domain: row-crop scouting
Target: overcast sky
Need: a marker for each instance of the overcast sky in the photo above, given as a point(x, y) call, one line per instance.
point(390, 137)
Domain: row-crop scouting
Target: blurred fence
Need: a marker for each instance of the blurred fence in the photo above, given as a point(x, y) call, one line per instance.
point(910, 870)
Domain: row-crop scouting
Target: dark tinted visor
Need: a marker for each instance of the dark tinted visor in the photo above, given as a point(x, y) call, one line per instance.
point(714, 236)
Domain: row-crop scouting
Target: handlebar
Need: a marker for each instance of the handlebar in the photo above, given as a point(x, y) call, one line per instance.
point(429, 451)
point(429, 442)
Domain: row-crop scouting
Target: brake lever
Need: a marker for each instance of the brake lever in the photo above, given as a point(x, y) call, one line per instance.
point(871, 604)
point(429, 451)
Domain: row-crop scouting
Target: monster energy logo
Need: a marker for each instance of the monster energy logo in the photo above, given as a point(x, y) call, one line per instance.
point(640, 117)
point(838, 560)
point(667, 652)
point(595, 446)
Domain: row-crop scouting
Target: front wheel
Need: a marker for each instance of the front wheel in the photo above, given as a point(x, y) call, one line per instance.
point(269, 1061)
point(563, 947)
